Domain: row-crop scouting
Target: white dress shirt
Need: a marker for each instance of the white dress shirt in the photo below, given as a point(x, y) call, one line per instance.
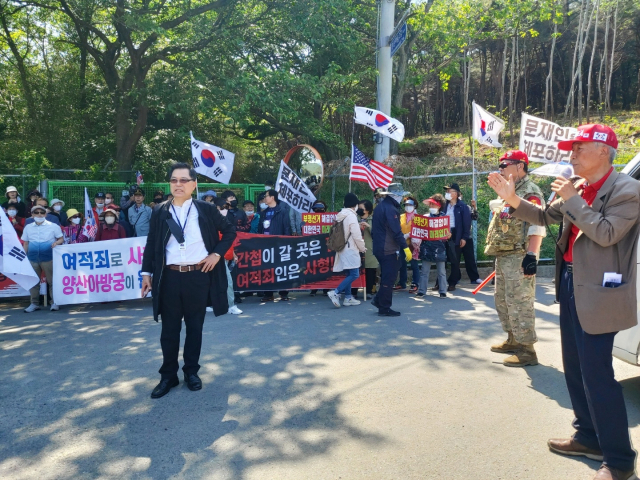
point(196, 250)
point(450, 214)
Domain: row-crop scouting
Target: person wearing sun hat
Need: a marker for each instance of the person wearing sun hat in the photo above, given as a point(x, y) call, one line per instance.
point(600, 227)
point(56, 209)
point(14, 199)
point(74, 231)
point(516, 246)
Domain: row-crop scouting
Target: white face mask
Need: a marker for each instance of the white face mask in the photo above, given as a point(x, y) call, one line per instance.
point(107, 201)
point(409, 209)
point(38, 219)
point(57, 208)
point(264, 206)
point(434, 211)
point(99, 205)
point(12, 213)
point(110, 220)
point(75, 221)
point(224, 212)
point(448, 196)
point(249, 212)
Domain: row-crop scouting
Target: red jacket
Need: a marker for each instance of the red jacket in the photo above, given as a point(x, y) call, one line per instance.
point(230, 254)
point(113, 232)
point(18, 224)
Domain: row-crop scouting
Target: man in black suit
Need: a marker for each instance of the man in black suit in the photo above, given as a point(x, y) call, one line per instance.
point(181, 265)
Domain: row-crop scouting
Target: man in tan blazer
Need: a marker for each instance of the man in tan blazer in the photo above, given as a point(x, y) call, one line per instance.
point(600, 225)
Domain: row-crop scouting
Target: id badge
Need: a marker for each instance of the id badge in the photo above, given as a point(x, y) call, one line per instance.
point(182, 247)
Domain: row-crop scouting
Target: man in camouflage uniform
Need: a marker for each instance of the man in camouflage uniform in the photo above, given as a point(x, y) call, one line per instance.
point(516, 246)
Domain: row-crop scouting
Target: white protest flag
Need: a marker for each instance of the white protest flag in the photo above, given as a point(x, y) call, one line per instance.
point(379, 122)
point(211, 161)
point(13, 259)
point(293, 191)
point(91, 223)
point(539, 139)
point(558, 169)
point(486, 127)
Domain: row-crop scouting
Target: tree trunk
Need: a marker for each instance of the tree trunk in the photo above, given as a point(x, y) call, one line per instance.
point(603, 66)
point(548, 92)
point(573, 65)
point(511, 81)
point(504, 75)
point(593, 54)
point(613, 53)
point(483, 77)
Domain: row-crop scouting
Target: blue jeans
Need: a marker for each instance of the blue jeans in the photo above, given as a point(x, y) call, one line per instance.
point(601, 417)
point(442, 276)
point(345, 285)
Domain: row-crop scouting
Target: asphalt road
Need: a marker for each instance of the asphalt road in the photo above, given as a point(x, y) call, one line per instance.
point(291, 391)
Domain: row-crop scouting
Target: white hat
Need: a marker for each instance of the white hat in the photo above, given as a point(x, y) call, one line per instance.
point(10, 189)
point(56, 200)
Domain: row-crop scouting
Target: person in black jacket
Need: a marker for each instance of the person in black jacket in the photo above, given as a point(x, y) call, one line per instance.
point(14, 200)
point(274, 220)
point(388, 244)
point(236, 216)
point(183, 254)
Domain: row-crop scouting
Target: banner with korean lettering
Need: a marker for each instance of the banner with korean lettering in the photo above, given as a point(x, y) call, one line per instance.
point(539, 139)
point(316, 223)
point(430, 228)
point(98, 271)
point(269, 262)
point(292, 190)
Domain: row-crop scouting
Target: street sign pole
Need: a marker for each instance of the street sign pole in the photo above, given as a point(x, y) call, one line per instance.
point(385, 70)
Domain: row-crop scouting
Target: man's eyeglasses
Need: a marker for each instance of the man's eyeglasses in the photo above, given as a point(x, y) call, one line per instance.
point(39, 212)
point(180, 181)
point(504, 165)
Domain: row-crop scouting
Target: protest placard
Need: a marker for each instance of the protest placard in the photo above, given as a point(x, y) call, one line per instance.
point(539, 139)
point(430, 228)
point(269, 262)
point(316, 223)
point(293, 191)
point(98, 271)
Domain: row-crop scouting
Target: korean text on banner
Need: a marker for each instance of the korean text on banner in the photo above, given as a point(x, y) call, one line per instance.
point(213, 162)
point(539, 139)
point(316, 223)
point(430, 228)
point(98, 271)
point(293, 191)
point(268, 262)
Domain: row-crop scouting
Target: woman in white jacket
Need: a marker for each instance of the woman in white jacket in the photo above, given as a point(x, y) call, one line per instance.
point(348, 260)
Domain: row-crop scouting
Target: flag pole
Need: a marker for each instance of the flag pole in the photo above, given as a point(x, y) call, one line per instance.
point(475, 185)
point(353, 134)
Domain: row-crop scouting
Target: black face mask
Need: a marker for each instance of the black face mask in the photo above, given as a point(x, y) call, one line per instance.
point(157, 200)
point(360, 212)
point(233, 203)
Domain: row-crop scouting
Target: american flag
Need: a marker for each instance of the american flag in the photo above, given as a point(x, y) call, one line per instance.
point(90, 229)
point(139, 178)
point(374, 173)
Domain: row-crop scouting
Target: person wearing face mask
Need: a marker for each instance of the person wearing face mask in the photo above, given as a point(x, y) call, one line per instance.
point(43, 202)
point(348, 259)
point(16, 221)
point(56, 209)
point(108, 199)
point(274, 220)
point(98, 200)
point(210, 196)
point(32, 197)
point(365, 212)
point(410, 207)
point(252, 216)
point(434, 251)
point(320, 207)
point(388, 245)
point(14, 199)
point(230, 258)
point(378, 195)
point(39, 239)
point(111, 229)
point(73, 232)
point(138, 214)
point(236, 216)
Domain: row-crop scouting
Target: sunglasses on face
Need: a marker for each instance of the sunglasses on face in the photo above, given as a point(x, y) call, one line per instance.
point(38, 212)
point(181, 181)
point(504, 165)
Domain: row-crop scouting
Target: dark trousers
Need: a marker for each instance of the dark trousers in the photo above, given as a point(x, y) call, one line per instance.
point(370, 278)
point(282, 293)
point(469, 260)
point(600, 413)
point(183, 296)
point(388, 274)
point(402, 267)
point(453, 257)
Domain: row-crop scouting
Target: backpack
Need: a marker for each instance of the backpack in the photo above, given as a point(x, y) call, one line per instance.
point(336, 241)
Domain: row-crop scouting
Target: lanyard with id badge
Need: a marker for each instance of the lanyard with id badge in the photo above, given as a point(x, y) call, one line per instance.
point(177, 229)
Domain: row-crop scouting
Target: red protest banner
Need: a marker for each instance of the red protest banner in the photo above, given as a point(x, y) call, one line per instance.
point(430, 228)
point(317, 223)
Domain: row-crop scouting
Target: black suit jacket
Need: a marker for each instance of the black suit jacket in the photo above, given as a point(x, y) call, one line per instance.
point(212, 224)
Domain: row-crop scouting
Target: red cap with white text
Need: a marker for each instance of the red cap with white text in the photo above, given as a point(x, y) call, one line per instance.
point(591, 133)
point(516, 155)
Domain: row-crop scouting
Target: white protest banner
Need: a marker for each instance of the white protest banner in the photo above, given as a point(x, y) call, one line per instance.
point(292, 190)
point(539, 139)
point(98, 271)
point(211, 161)
point(379, 122)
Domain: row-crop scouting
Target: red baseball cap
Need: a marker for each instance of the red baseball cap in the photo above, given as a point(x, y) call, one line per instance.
point(593, 132)
point(517, 155)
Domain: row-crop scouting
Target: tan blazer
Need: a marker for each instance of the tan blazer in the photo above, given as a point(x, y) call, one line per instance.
point(607, 242)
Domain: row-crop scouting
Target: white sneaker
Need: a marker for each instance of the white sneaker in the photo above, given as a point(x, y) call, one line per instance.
point(350, 301)
point(234, 310)
point(335, 298)
point(31, 308)
point(479, 281)
point(54, 307)
point(209, 309)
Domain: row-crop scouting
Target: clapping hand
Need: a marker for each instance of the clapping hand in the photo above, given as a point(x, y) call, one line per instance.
point(506, 189)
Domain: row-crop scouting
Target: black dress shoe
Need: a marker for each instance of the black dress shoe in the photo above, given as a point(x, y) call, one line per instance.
point(164, 386)
point(389, 313)
point(193, 381)
point(451, 288)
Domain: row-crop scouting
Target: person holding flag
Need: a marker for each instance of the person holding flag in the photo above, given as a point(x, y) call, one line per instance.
point(39, 239)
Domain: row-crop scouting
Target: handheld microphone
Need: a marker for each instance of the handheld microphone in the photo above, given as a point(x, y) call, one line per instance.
point(566, 172)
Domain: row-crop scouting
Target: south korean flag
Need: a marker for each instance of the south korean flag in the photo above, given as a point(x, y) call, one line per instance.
point(211, 161)
point(13, 259)
point(486, 127)
point(379, 122)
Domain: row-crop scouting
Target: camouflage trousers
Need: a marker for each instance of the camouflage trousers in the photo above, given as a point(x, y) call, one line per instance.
point(514, 298)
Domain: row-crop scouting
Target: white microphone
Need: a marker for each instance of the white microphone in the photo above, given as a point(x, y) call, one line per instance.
point(566, 172)
point(560, 169)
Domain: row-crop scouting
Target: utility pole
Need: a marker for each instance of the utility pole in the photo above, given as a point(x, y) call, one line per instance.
point(385, 71)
